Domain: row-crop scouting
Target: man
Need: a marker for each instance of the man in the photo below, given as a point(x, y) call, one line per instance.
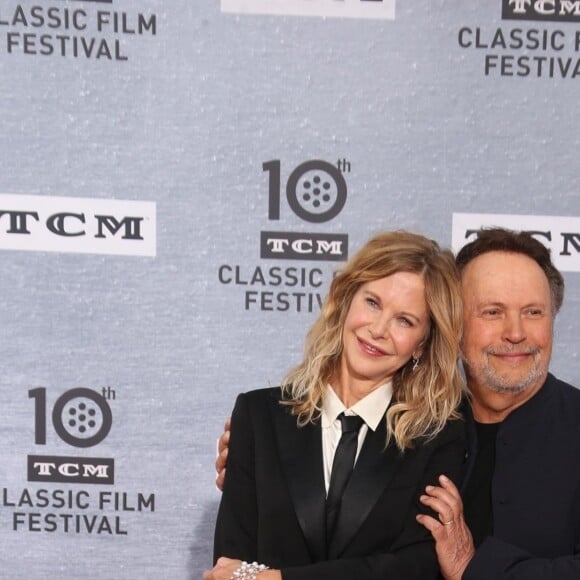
point(521, 498)
point(521, 493)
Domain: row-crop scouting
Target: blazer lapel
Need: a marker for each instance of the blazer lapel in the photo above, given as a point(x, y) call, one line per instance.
point(373, 472)
point(301, 458)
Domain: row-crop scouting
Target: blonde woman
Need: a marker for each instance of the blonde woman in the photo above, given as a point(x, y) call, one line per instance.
point(307, 498)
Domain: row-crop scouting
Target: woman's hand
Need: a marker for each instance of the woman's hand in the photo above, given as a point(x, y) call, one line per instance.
point(453, 540)
point(225, 568)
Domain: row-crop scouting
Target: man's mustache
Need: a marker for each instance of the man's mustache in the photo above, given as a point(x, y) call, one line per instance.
point(515, 350)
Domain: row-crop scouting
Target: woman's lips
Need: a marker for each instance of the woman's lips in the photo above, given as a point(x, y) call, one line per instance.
point(370, 349)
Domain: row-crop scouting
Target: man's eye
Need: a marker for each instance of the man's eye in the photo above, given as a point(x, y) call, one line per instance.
point(491, 312)
point(535, 312)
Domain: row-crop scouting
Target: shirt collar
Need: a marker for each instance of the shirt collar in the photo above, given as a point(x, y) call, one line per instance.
point(371, 408)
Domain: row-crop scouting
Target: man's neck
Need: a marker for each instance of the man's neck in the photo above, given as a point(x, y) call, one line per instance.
point(491, 407)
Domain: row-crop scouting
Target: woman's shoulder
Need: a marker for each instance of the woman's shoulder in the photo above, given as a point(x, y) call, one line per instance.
point(260, 403)
point(261, 397)
point(453, 430)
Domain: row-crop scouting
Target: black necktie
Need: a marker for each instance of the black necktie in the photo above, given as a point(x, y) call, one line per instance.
point(342, 467)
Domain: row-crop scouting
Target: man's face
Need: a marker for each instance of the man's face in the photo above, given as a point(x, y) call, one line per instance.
point(507, 342)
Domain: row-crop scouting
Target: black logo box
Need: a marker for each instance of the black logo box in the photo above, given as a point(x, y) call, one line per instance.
point(304, 246)
point(60, 469)
point(555, 11)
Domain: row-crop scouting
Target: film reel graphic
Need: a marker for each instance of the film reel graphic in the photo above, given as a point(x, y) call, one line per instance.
point(81, 417)
point(316, 190)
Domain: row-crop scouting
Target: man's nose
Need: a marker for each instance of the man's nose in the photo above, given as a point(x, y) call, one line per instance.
point(514, 329)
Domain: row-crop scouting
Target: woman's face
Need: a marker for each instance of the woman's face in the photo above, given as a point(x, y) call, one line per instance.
point(386, 324)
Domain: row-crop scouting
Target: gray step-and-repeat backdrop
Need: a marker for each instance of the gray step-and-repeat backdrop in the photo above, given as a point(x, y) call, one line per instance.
point(178, 182)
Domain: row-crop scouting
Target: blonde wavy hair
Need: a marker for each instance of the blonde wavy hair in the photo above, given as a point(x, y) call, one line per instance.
point(423, 399)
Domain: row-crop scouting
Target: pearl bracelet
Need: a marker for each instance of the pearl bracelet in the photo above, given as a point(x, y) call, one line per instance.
point(248, 571)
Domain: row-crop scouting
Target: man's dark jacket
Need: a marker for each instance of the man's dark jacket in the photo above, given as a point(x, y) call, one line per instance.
point(535, 491)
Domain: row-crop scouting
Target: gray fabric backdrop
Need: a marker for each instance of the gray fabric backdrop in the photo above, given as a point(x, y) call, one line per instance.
point(253, 153)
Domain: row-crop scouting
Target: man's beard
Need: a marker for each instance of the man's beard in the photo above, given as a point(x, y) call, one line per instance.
point(498, 384)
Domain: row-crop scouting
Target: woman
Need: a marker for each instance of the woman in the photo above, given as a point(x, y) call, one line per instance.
point(384, 348)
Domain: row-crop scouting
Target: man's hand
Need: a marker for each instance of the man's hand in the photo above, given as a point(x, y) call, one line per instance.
point(222, 457)
point(453, 540)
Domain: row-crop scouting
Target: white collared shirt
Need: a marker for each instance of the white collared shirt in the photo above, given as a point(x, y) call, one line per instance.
point(371, 409)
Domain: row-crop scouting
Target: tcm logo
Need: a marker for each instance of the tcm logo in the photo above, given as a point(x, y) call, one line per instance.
point(558, 10)
point(81, 418)
point(77, 225)
point(293, 246)
point(370, 9)
point(316, 192)
point(560, 234)
point(49, 468)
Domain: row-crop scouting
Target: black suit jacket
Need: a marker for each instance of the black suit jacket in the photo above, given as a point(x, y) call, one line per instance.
point(535, 491)
point(273, 505)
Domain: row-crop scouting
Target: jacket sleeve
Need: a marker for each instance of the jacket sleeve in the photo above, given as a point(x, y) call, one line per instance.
point(236, 526)
point(497, 559)
point(412, 557)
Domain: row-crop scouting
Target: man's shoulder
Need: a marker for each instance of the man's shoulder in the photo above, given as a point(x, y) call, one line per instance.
point(564, 389)
point(563, 404)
